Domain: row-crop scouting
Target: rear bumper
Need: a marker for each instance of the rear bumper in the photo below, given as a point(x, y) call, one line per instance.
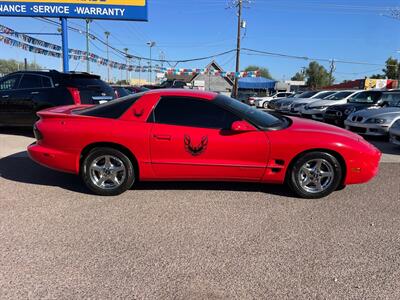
point(54, 159)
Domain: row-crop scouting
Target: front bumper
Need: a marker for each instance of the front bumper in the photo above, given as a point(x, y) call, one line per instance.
point(314, 114)
point(54, 159)
point(364, 168)
point(367, 129)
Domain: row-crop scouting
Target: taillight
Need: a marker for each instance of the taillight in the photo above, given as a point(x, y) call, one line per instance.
point(37, 133)
point(75, 95)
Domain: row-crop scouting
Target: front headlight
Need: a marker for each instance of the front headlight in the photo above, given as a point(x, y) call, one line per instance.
point(320, 107)
point(376, 121)
point(349, 111)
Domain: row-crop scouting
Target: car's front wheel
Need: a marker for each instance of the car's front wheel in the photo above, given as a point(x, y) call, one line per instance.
point(315, 175)
point(107, 171)
point(265, 104)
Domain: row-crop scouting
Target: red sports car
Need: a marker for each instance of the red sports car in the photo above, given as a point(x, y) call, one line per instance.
point(176, 135)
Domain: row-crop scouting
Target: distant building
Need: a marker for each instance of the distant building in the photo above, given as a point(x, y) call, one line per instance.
point(365, 84)
point(214, 83)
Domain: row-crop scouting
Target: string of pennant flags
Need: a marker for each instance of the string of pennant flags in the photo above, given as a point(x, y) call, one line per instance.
point(35, 45)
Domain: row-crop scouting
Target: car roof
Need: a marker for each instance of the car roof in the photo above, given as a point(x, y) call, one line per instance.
point(183, 93)
point(55, 73)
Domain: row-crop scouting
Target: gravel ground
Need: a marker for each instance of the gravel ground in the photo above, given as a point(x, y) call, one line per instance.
point(193, 240)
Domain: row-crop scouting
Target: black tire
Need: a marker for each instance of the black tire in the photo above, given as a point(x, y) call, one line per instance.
point(265, 105)
point(121, 161)
point(296, 174)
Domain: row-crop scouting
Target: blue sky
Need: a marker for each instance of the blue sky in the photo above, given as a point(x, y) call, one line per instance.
point(341, 29)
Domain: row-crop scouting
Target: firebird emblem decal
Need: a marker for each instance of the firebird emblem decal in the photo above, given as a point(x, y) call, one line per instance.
point(195, 150)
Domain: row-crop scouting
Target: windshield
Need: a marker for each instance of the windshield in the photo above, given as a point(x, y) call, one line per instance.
point(324, 95)
point(339, 96)
point(366, 97)
point(259, 118)
point(307, 94)
point(391, 98)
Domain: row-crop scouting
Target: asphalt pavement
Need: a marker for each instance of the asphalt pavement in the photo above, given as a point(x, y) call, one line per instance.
point(194, 240)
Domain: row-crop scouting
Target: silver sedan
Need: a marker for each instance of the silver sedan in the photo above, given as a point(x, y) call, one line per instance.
point(374, 121)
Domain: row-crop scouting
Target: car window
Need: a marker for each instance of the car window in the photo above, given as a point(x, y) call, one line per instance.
point(9, 83)
point(30, 81)
point(280, 95)
point(192, 112)
point(46, 82)
point(366, 97)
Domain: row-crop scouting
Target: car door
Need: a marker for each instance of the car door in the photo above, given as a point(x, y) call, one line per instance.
point(7, 91)
point(191, 139)
point(23, 106)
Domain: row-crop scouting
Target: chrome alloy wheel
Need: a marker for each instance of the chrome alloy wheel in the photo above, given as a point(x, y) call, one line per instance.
point(107, 172)
point(316, 175)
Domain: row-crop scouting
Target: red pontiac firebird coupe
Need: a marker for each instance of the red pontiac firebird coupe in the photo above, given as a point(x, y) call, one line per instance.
point(177, 135)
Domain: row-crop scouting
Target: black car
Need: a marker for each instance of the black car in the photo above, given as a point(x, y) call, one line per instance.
point(337, 114)
point(24, 93)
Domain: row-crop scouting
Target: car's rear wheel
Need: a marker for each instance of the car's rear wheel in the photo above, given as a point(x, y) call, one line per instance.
point(315, 175)
point(107, 171)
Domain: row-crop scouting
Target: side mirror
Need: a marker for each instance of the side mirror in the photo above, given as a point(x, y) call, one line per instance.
point(242, 126)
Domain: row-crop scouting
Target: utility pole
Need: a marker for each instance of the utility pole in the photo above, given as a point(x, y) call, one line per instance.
point(107, 34)
point(127, 63)
point(140, 71)
point(88, 21)
point(239, 6)
point(162, 58)
point(332, 69)
point(151, 44)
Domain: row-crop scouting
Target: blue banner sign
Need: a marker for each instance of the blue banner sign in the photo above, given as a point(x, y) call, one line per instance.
point(135, 10)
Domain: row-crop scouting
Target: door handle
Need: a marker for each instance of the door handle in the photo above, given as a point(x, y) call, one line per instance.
point(35, 93)
point(162, 137)
point(6, 96)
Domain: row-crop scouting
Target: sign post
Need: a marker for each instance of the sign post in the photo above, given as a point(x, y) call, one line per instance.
point(65, 51)
point(129, 10)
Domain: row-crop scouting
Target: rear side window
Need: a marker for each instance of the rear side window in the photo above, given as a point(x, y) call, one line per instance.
point(192, 112)
point(31, 82)
point(9, 83)
point(111, 110)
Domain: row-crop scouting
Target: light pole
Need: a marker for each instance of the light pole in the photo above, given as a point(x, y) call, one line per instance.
point(108, 56)
point(151, 44)
point(88, 21)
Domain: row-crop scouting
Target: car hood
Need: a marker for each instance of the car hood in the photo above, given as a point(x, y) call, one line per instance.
point(306, 101)
point(357, 106)
point(379, 112)
point(309, 127)
point(327, 103)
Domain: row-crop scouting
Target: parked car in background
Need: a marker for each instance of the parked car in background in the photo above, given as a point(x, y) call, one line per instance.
point(375, 121)
point(337, 114)
point(262, 102)
point(183, 135)
point(297, 106)
point(24, 93)
point(394, 133)
point(120, 91)
point(316, 110)
point(272, 103)
point(136, 89)
point(244, 97)
point(285, 105)
point(167, 84)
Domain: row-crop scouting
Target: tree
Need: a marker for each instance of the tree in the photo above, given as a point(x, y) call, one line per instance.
point(391, 71)
point(377, 76)
point(11, 65)
point(264, 72)
point(317, 76)
point(299, 76)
